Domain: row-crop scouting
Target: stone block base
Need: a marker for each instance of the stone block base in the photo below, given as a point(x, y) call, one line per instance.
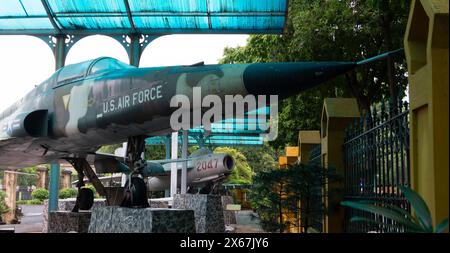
point(65, 205)
point(113, 219)
point(208, 211)
point(229, 216)
point(65, 221)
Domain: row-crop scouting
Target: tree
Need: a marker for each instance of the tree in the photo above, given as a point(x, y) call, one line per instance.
point(298, 191)
point(267, 197)
point(27, 180)
point(322, 30)
point(155, 152)
point(259, 158)
point(242, 173)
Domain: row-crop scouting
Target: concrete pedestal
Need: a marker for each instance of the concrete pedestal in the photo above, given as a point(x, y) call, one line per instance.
point(66, 221)
point(112, 219)
point(208, 211)
point(228, 215)
point(65, 205)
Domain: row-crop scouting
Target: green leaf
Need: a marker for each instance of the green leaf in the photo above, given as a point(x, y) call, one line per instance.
point(420, 207)
point(382, 211)
point(404, 212)
point(442, 226)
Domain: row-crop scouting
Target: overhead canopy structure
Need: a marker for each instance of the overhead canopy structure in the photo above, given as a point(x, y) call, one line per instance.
point(109, 17)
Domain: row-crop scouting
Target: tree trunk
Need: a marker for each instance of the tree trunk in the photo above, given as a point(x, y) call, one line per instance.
point(363, 101)
point(386, 20)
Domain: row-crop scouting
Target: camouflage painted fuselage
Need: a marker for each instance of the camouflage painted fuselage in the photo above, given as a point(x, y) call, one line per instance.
point(103, 101)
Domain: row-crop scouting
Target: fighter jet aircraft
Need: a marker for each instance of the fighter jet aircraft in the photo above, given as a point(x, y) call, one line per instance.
point(104, 101)
point(84, 106)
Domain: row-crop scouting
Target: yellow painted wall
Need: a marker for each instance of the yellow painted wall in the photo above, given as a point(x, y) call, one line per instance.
point(426, 48)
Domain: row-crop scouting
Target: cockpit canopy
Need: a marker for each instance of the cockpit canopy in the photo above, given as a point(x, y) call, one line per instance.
point(84, 69)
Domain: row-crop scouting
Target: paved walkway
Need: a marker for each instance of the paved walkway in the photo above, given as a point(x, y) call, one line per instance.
point(247, 222)
point(30, 222)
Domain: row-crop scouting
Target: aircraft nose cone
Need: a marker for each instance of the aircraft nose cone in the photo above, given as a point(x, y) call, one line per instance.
point(286, 79)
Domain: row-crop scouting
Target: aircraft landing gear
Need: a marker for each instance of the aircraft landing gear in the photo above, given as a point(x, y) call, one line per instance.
point(135, 194)
point(85, 197)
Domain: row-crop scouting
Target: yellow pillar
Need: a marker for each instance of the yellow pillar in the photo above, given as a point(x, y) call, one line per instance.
point(426, 48)
point(337, 113)
point(42, 177)
point(306, 141)
point(66, 179)
point(10, 180)
point(283, 161)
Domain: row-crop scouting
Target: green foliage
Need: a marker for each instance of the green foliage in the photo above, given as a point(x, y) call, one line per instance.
point(40, 194)
point(29, 202)
point(109, 149)
point(260, 158)
point(3, 208)
point(192, 149)
point(68, 193)
point(27, 180)
point(242, 173)
point(35, 202)
point(421, 222)
point(278, 192)
point(155, 152)
point(322, 30)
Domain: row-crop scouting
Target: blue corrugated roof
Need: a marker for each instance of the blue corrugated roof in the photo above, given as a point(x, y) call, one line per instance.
point(142, 16)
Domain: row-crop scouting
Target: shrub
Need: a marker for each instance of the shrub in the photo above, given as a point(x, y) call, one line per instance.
point(3, 208)
point(34, 202)
point(29, 202)
point(22, 202)
point(68, 193)
point(40, 194)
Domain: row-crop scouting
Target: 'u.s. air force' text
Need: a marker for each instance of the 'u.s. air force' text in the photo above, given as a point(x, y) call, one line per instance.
point(129, 100)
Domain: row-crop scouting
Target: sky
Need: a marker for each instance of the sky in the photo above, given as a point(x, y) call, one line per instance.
point(27, 61)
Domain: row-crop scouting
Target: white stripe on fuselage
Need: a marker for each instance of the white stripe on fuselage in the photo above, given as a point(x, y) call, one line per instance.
point(78, 106)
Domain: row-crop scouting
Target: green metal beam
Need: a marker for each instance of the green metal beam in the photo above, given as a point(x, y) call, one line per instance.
point(130, 16)
point(154, 31)
point(50, 16)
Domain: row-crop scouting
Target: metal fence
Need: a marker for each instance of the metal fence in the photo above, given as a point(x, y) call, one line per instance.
point(315, 155)
point(376, 158)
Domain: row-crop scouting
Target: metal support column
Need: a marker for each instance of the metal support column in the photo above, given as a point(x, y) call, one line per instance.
point(54, 187)
point(60, 59)
point(167, 146)
point(184, 147)
point(135, 50)
point(60, 52)
point(173, 167)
